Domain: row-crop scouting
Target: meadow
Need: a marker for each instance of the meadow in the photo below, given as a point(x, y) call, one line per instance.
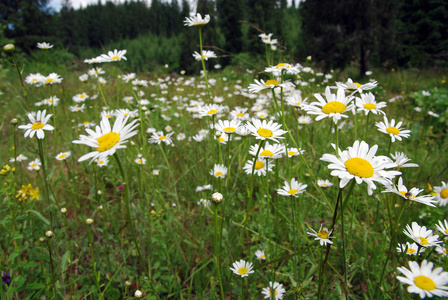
point(279, 183)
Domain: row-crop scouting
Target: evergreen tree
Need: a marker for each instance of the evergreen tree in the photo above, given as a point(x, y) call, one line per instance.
point(229, 16)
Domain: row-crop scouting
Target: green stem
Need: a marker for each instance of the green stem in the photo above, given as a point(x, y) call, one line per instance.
point(203, 66)
point(25, 94)
point(217, 242)
point(53, 281)
point(95, 273)
point(44, 171)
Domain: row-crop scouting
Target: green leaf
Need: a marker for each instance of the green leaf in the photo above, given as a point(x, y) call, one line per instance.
point(13, 255)
point(30, 264)
point(35, 286)
point(39, 216)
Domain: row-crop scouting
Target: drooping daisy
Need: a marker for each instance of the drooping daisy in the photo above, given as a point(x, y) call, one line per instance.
point(442, 194)
point(357, 87)
point(323, 236)
point(421, 235)
point(197, 20)
point(443, 227)
point(425, 281)
point(272, 151)
point(38, 125)
point(412, 194)
point(219, 171)
point(228, 127)
point(242, 268)
point(324, 183)
point(294, 189)
point(393, 130)
point(53, 78)
point(360, 163)
point(113, 56)
point(159, 137)
point(34, 165)
point(296, 100)
point(410, 249)
point(260, 166)
point(401, 160)
point(206, 54)
point(304, 120)
point(275, 289)
point(263, 130)
point(199, 137)
point(368, 104)
point(243, 131)
point(260, 255)
point(63, 155)
point(295, 152)
point(107, 140)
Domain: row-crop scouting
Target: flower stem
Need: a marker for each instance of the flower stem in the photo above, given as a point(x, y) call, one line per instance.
point(25, 94)
point(217, 242)
point(95, 273)
point(44, 171)
point(203, 66)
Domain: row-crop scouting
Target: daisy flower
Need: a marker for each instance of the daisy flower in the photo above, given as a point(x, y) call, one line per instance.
point(324, 183)
point(263, 130)
point(199, 137)
point(242, 268)
point(78, 98)
point(239, 113)
point(360, 163)
point(126, 112)
point(113, 56)
point(219, 171)
point(412, 194)
point(409, 249)
point(19, 158)
point(423, 280)
point(421, 235)
point(442, 194)
point(34, 165)
point(44, 46)
point(159, 137)
point(52, 101)
point(128, 77)
point(260, 255)
point(95, 72)
point(443, 227)
point(107, 114)
point(260, 166)
point(35, 79)
point(262, 114)
point(296, 100)
point(243, 131)
point(107, 140)
point(197, 20)
point(401, 160)
point(102, 162)
point(181, 136)
point(293, 189)
point(260, 85)
point(273, 151)
point(323, 236)
point(223, 138)
point(38, 125)
point(228, 127)
point(283, 68)
point(63, 155)
point(77, 108)
point(393, 130)
point(357, 87)
point(52, 78)
point(368, 104)
point(209, 110)
point(273, 288)
point(206, 54)
point(295, 152)
point(304, 120)
point(140, 160)
point(442, 251)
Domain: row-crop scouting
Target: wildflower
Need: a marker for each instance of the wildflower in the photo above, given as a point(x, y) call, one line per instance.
point(113, 56)
point(6, 278)
point(324, 183)
point(95, 72)
point(77, 108)
point(206, 54)
point(273, 288)
point(155, 172)
point(333, 107)
point(260, 85)
point(219, 171)
point(443, 227)
point(199, 137)
point(273, 151)
point(52, 78)
point(409, 249)
point(401, 160)
point(128, 77)
point(210, 110)
point(19, 158)
point(260, 255)
point(242, 268)
point(89, 221)
point(360, 163)
point(217, 197)
point(421, 235)
point(138, 294)
point(34, 165)
point(368, 104)
point(293, 189)
point(295, 152)
point(140, 160)
point(296, 100)
point(197, 20)
point(228, 127)
point(44, 46)
point(263, 130)
point(282, 68)
point(84, 77)
point(35, 79)
point(63, 155)
point(159, 137)
point(261, 166)
point(80, 97)
point(107, 140)
point(442, 194)
point(393, 130)
point(423, 280)
point(239, 114)
point(350, 85)
point(412, 194)
point(52, 101)
point(442, 251)
point(323, 236)
point(38, 125)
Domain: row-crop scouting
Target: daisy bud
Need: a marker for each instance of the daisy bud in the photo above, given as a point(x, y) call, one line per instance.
point(100, 207)
point(49, 234)
point(217, 198)
point(218, 133)
point(99, 192)
point(155, 172)
point(63, 210)
point(138, 294)
point(128, 283)
point(14, 122)
point(41, 239)
point(9, 48)
point(89, 221)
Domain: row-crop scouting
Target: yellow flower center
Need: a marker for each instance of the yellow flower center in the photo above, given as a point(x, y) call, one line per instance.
point(357, 84)
point(423, 241)
point(359, 167)
point(86, 123)
point(263, 256)
point(425, 283)
point(50, 100)
point(50, 79)
point(280, 65)
point(242, 271)
point(229, 129)
point(270, 292)
point(261, 116)
point(34, 79)
point(444, 193)
point(221, 139)
point(213, 111)
point(81, 96)
point(217, 174)
point(411, 251)
point(333, 107)
point(37, 125)
point(240, 115)
point(140, 161)
point(393, 130)
point(446, 231)
point(107, 141)
point(266, 153)
point(162, 138)
point(292, 191)
point(407, 194)
point(272, 82)
point(303, 121)
point(298, 103)
point(369, 106)
point(108, 116)
point(101, 162)
point(259, 165)
point(292, 153)
point(115, 57)
point(266, 133)
point(33, 164)
point(323, 234)
point(62, 156)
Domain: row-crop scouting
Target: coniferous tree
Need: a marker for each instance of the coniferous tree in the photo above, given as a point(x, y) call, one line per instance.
point(229, 16)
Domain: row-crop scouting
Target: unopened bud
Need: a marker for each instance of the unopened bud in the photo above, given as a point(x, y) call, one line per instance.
point(138, 294)
point(63, 210)
point(49, 234)
point(217, 197)
point(14, 122)
point(89, 221)
point(9, 48)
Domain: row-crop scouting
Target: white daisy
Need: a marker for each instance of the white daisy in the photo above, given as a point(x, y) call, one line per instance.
point(199, 137)
point(63, 155)
point(197, 20)
point(52, 101)
point(393, 130)
point(206, 54)
point(102, 162)
point(421, 235)
point(38, 125)
point(239, 114)
point(78, 98)
point(323, 236)
point(107, 140)
point(273, 151)
point(295, 152)
point(228, 127)
point(19, 158)
point(443, 227)
point(113, 56)
point(260, 166)
point(35, 79)
point(263, 130)
point(219, 171)
point(44, 46)
point(140, 160)
point(324, 183)
point(210, 110)
point(294, 189)
point(401, 160)
point(412, 194)
point(442, 194)
point(34, 165)
point(357, 87)
point(283, 68)
point(273, 288)
point(52, 78)
point(95, 72)
point(296, 100)
point(260, 85)
point(423, 280)
point(260, 255)
point(304, 120)
point(360, 163)
point(368, 104)
point(410, 249)
point(442, 251)
point(242, 268)
point(333, 107)
point(159, 137)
